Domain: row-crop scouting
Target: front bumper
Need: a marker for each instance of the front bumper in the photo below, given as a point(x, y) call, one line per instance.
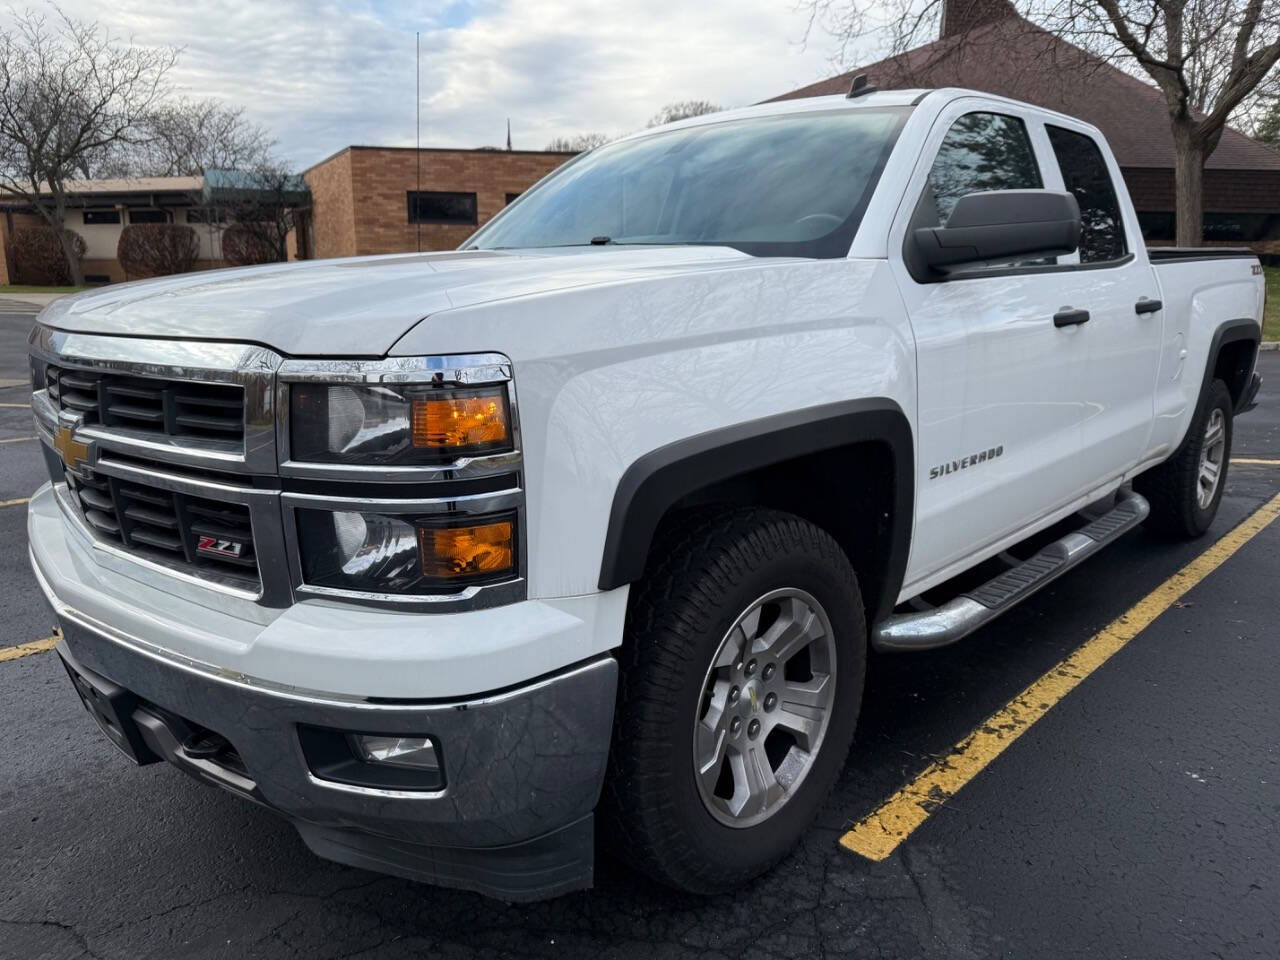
point(523, 766)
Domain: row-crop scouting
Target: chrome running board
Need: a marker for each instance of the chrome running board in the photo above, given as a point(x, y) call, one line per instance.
point(956, 619)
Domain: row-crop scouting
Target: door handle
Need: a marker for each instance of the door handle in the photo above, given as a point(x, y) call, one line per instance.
point(1070, 317)
point(1147, 306)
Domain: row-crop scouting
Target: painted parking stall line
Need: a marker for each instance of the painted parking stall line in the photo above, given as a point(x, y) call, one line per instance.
point(880, 833)
point(27, 649)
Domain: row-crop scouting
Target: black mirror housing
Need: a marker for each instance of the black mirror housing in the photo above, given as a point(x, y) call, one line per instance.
point(1001, 225)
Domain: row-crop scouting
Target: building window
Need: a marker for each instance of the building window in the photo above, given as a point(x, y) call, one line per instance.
point(1157, 227)
point(148, 216)
point(1085, 174)
point(437, 207)
point(1161, 227)
point(206, 215)
point(1241, 227)
point(981, 152)
point(511, 197)
point(92, 217)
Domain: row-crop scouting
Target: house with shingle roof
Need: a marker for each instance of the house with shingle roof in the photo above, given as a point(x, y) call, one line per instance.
point(985, 45)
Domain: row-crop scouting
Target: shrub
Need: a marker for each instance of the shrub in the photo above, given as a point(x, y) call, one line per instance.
point(244, 246)
point(37, 257)
point(157, 249)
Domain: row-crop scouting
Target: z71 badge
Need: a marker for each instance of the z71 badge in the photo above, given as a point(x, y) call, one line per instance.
point(964, 463)
point(220, 547)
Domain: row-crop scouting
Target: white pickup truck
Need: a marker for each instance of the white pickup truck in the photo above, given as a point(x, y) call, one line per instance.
point(461, 560)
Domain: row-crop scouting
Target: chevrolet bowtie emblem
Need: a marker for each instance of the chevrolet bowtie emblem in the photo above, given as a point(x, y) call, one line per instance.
point(755, 704)
point(72, 451)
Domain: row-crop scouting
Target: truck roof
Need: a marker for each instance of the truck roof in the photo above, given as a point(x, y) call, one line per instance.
point(878, 98)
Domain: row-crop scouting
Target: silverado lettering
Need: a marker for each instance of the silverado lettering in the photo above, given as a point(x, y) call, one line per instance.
point(965, 462)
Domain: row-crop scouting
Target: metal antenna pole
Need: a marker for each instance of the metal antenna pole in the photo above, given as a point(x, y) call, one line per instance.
point(417, 108)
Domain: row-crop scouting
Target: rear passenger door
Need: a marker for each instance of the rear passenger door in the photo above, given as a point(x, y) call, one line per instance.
point(1000, 405)
point(1119, 378)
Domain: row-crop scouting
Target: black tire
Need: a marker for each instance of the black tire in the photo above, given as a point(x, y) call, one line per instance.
point(704, 573)
point(1173, 487)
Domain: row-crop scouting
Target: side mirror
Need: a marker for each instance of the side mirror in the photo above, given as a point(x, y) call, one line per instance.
point(1002, 225)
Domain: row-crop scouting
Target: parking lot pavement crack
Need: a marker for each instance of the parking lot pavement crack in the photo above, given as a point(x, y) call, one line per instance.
point(949, 920)
point(67, 928)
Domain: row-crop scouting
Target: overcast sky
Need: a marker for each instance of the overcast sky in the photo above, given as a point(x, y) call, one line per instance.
point(322, 74)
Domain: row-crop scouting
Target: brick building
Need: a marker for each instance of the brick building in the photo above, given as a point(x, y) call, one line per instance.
point(985, 45)
point(367, 200)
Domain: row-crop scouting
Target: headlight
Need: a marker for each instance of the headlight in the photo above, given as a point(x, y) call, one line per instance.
point(382, 553)
point(401, 424)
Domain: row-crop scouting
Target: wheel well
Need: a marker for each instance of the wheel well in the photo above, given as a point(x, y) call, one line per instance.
point(848, 491)
point(1233, 365)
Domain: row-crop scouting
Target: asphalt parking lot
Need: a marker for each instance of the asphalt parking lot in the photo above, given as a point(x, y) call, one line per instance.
point(1138, 817)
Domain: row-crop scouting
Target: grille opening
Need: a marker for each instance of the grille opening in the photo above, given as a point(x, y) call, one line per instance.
point(174, 528)
point(175, 408)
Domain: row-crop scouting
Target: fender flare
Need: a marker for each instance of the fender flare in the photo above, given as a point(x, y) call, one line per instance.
point(662, 477)
point(1230, 331)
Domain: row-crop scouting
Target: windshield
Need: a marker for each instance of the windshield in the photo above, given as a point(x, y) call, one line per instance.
point(793, 185)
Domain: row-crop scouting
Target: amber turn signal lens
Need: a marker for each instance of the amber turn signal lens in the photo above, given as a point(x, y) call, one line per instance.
point(486, 549)
point(461, 422)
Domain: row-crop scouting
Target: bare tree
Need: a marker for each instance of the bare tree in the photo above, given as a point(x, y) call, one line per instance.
point(68, 90)
point(1212, 60)
point(184, 138)
point(261, 205)
point(578, 143)
point(683, 110)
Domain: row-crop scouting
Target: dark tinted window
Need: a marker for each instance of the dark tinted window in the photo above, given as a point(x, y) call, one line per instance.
point(1085, 174)
point(437, 207)
point(148, 216)
point(1157, 227)
point(102, 216)
point(982, 151)
point(793, 185)
point(1241, 227)
point(205, 215)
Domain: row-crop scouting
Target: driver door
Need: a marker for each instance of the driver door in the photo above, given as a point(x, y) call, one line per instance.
point(999, 429)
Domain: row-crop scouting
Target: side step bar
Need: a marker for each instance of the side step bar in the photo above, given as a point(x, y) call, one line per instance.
point(958, 618)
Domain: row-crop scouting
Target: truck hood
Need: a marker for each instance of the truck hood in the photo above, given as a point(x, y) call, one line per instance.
point(357, 307)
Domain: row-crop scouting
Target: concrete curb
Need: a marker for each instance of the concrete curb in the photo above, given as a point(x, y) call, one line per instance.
point(35, 299)
point(1269, 345)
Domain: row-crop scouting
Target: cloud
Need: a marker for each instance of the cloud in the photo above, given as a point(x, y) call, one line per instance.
point(320, 74)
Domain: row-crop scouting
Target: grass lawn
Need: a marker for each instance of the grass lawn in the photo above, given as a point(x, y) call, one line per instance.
point(21, 288)
point(1271, 319)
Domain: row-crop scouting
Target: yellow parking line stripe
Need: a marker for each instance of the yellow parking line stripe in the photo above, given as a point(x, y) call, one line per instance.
point(15, 503)
point(27, 649)
point(16, 439)
point(1254, 462)
point(879, 834)
point(24, 406)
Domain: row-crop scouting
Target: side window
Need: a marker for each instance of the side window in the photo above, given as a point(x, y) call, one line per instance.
point(1085, 174)
point(982, 151)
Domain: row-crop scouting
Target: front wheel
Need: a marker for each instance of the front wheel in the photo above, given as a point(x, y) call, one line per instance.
point(1186, 489)
point(742, 673)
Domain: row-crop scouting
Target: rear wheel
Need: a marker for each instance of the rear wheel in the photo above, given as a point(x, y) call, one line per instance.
point(742, 677)
point(1186, 489)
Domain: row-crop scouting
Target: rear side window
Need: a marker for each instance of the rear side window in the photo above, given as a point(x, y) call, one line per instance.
point(1085, 174)
point(982, 151)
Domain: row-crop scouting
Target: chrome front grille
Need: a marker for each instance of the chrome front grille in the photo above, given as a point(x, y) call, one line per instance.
point(172, 408)
point(172, 457)
point(201, 534)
